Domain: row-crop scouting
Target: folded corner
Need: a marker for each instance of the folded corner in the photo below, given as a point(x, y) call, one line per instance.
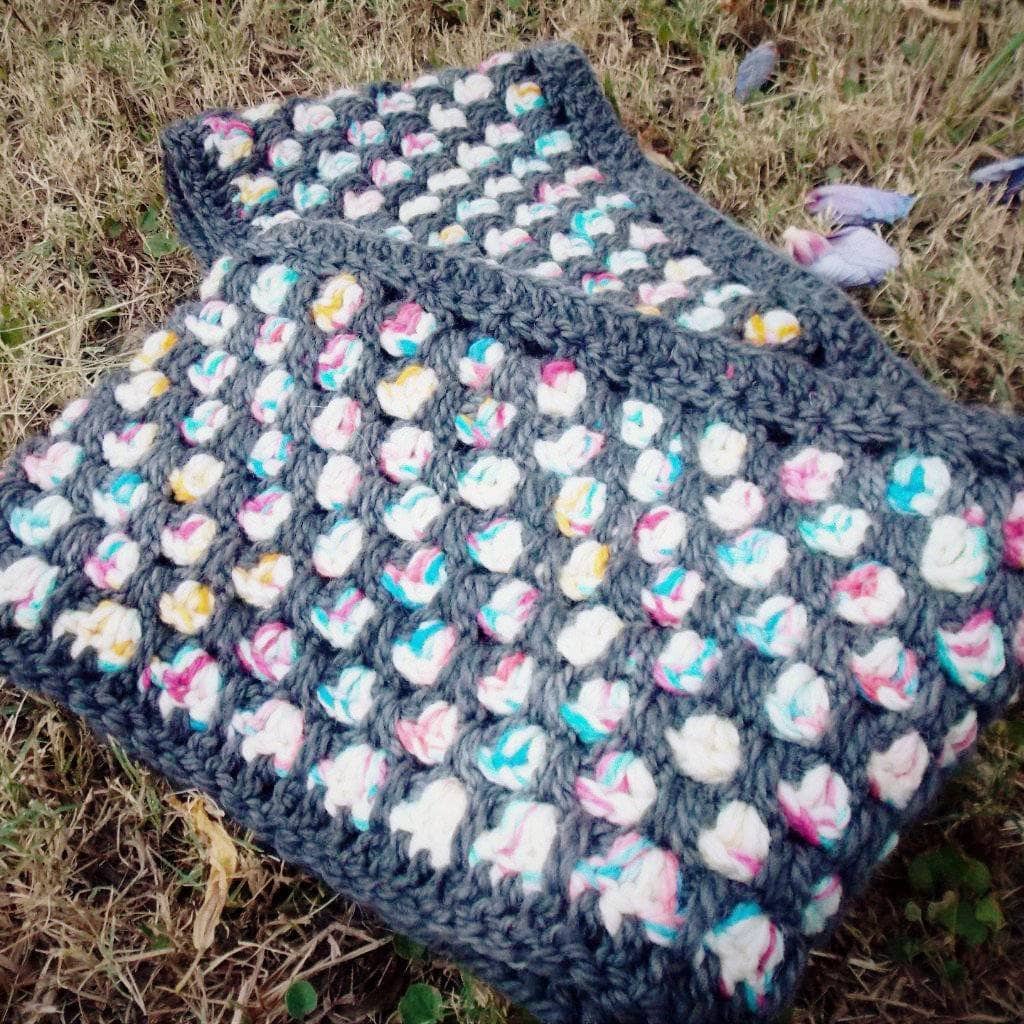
point(201, 223)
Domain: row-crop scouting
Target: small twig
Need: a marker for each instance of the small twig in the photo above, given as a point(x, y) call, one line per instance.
point(93, 314)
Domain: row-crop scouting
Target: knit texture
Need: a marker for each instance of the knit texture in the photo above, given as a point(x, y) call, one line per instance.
point(523, 161)
point(606, 656)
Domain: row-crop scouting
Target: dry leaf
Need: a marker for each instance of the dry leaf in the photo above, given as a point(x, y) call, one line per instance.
point(658, 158)
point(223, 860)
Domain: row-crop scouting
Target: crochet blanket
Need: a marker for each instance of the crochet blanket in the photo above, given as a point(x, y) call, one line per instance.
point(604, 652)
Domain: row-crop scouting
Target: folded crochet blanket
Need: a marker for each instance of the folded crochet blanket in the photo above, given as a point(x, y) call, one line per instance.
point(601, 653)
point(521, 160)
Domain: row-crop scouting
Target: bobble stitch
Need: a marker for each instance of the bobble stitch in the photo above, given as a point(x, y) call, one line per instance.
point(706, 748)
point(269, 653)
point(839, 531)
point(38, 524)
point(721, 450)
point(110, 630)
point(887, 674)
point(685, 663)
point(597, 710)
point(810, 475)
point(972, 655)
point(869, 595)
point(422, 657)
point(826, 896)
point(352, 781)
point(497, 546)
point(519, 845)
point(737, 845)
point(342, 622)
point(918, 484)
point(188, 542)
point(798, 705)
point(337, 361)
point(776, 327)
point(429, 736)
point(190, 682)
point(262, 585)
point(561, 390)
point(637, 879)
point(621, 790)
point(415, 585)
point(188, 608)
point(405, 333)
point(516, 757)
point(480, 429)
point(585, 570)
point(895, 773)
point(568, 454)
point(261, 516)
point(778, 628)
point(26, 584)
point(749, 948)
point(113, 562)
point(959, 739)
point(588, 635)
point(507, 611)
point(348, 699)
point(660, 533)
point(737, 508)
point(955, 555)
point(506, 688)
point(754, 558)
point(818, 809)
point(671, 595)
point(431, 819)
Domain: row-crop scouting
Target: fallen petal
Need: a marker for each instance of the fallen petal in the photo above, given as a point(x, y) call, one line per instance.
point(805, 246)
point(755, 69)
point(854, 256)
point(859, 204)
point(1007, 173)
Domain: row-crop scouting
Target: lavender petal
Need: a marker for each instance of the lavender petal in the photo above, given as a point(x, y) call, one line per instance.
point(859, 204)
point(755, 69)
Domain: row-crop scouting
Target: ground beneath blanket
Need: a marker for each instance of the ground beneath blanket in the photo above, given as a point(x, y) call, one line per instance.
point(102, 869)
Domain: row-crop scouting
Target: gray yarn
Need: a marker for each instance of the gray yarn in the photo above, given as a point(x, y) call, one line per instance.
point(553, 952)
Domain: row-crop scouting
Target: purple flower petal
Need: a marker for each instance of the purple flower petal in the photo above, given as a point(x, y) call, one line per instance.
point(859, 204)
point(1008, 173)
point(755, 69)
point(852, 256)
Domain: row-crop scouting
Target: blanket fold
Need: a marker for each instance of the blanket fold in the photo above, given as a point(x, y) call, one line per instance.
point(521, 160)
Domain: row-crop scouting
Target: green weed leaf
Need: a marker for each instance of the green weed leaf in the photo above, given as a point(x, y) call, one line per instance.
point(421, 1004)
point(987, 911)
point(976, 876)
point(12, 333)
point(954, 971)
point(409, 949)
point(112, 227)
point(300, 1000)
point(149, 221)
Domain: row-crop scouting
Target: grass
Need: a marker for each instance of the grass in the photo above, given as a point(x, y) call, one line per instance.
point(102, 869)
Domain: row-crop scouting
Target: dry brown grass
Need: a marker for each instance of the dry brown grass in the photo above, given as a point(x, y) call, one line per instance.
point(102, 872)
